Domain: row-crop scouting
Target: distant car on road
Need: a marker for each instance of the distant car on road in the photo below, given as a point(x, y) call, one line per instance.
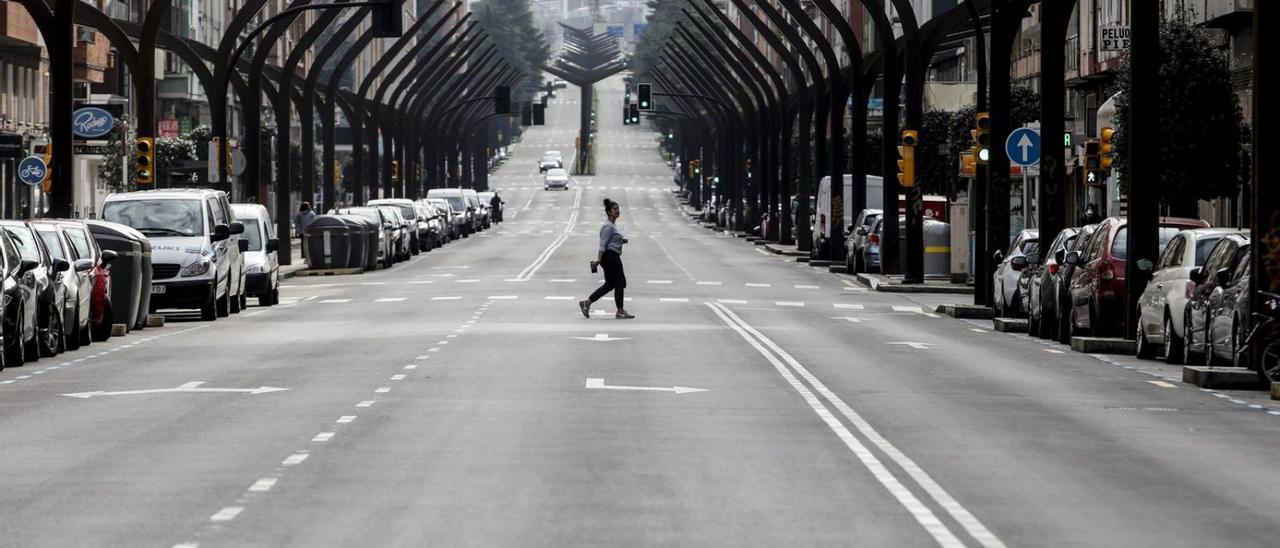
point(556, 179)
point(551, 159)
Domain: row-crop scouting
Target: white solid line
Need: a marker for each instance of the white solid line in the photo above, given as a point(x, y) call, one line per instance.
point(389, 300)
point(445, 298)
point(757, 285)
point(323, 436)
point(941, 533)
point(365, 403)
point(335, 301)
point(848, 306)
point(557, 298)
point(673, 300)
point(346, 419)
point(264, 484)
point(227, 514)
point(788, 303)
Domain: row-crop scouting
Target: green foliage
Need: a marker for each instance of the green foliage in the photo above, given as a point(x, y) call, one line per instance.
point(518, 41)
point(113, 162)
point(201, 135)
point(1200, 120)
point(945, 136)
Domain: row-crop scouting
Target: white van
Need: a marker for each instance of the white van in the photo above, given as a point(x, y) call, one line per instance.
point(261, 262)
point(195, 252)
point(464, 214)
point(823, 214)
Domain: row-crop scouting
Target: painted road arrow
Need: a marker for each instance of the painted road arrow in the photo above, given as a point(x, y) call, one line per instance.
point(603, 337)
point(599, 384)
point(188, 387)
point(915, 345)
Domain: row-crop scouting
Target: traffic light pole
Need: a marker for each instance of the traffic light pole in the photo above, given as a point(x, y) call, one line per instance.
point(1144, 156)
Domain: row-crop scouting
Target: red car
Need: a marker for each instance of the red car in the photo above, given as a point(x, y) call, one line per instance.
point(1098, 294)
point(87, 248)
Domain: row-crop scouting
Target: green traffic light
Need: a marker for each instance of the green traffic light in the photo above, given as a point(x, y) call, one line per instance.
point(671, 136)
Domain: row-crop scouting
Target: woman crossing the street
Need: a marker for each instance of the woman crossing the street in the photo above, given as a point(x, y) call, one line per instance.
point(609, 257)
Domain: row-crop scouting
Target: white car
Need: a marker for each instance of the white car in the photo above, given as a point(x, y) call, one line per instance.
point(1161, 306)
point(551, 159)
point(1005, 279)
point(557, 179)
point(261, 264)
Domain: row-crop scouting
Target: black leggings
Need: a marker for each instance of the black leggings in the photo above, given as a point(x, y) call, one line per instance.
point(615, 279)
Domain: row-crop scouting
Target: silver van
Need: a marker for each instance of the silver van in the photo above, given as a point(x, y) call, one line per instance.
point(196, 257)
point(261, 260)
point(461, 208)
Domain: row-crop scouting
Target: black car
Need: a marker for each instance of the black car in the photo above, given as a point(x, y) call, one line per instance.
point(39, 311)
point(1060, 291)
point(1042, 282)
point(13, 300)
point(1212, 282)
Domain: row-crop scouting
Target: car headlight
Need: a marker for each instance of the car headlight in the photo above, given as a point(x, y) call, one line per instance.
point(253, 269)
point(198, 268)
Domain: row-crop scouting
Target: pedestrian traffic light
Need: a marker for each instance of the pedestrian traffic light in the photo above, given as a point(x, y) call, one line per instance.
point(1106, 148)
point(502, 100)
point(634, 112)
point(539, 114)
point(907, 160)
point(1092, 160)
point(144, 157)
point(386, 19)
point(981, 137)
point(645, 91)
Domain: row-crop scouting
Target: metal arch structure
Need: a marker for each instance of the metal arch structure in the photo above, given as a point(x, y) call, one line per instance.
point(586, 58)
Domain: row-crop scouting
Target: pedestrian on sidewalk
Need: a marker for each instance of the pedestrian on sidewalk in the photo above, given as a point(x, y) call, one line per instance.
point(301, 220)
point(609, 257)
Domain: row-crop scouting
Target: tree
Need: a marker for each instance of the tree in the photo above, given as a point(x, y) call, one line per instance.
point(520, 43)
point(938, 160)
point(1200, 119)
point(173, 153)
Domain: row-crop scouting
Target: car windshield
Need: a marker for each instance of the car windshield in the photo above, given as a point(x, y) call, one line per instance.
point(406, 211)
point(157, 217)
point(25, 241)
point(1204, 245)
point(252, 233)
point(871, 219)
point(363, 212)
point(51, 241)
point(556, 172)
point(456, 203)
point(1120, 246)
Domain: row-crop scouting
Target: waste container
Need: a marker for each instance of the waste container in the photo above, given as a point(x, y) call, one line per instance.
point(358, 257)
point(937, 249)
point(327, 242)
point(130, 272)
point(371, 230)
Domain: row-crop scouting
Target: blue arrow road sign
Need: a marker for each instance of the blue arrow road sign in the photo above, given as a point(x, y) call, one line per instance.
point(31, 170)
point(1023, 146)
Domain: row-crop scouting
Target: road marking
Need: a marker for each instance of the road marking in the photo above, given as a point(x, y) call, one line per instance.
point(365, 403)
point(757, 285)
point(503, 297)
point(262, 485)
point(389, 300)
point(806, 287)
point(397, 377)
point(602, 337)
point(563, 280)
point(327, 301)
point(598, 384)
point(788, 303)
point(848, 306)
point(558, 298)
point(295, 458)
point(976, 330)
point(419, 282)
point(467, 281)
point(187, 387)
point(227, 514)
point(848, 319)
point(659, 282)
point(323, 436)
point(731, 301)
point(1053, 351)
point(900, 308)
point(923, 515)
point(382, 390)
point(421, 357)
point(709, 283)
point(673, 299)
point(914, 344)
point(411, 366)
point(1162, 384)
point(346, 419)
point(445, 298)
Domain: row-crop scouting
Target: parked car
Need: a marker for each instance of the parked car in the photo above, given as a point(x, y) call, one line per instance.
point(461, 209)
point(1061, 285)
point(1163, 303)
point(77, 286)
point(1098, 287)
point(429, 225)
point(1004, 287)
point(1038, 303)
point(38, 294)
point(400, 231)
point(479, 206)
point(1211, 282)
point(386, 237)
point(261, 261)
point(195, 261)
point(551, 159)
point(855, 242)
point(11, 302)
point(557, 179)
point(417, 228)
point(86, 247)
point(495, 213)
point(1228, 318)
point(451, 221)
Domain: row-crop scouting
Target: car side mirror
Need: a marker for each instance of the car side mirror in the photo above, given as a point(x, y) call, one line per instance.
point(1034, 258)
point(1072, 258)
point(1018, 263)
point(220, 232)
point(243, 245)
point(998, 256)
point(861, 231)
point(108, 256)
point(1060, 255)
point(1197, 275)
point(237, 227)
point(1223, 276)
point(273, 244)
point(27, 265)
point(61, 265)
point(83, 265)
point(1145, 265)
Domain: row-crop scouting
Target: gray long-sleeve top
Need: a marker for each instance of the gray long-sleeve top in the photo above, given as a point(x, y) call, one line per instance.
point(610, 238)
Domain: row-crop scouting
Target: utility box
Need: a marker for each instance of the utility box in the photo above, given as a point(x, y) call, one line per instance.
point(961, 239)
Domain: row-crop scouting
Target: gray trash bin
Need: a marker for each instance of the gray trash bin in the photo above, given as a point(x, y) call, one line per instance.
point(130, 272)
point(937, 249)
point(328, 243)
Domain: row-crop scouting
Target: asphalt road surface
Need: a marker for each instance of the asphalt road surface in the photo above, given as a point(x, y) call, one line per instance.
point(461, 399)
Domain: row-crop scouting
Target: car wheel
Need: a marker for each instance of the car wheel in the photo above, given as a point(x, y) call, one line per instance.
point(1239, 356)
point(233, 304)
point(13, 348)
point(72, 338)
point(209, 311)
point(223, 305)
point(1209, 357)
point(1142, 348)
point(1175, 350)
point(1189, 353)
point(31, 348)
point(51, 337)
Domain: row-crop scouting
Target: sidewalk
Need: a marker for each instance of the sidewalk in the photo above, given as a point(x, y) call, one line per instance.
point(289, 271)
point(893, 284)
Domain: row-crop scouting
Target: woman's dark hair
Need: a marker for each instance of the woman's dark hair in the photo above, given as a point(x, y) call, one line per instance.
point(609, 204)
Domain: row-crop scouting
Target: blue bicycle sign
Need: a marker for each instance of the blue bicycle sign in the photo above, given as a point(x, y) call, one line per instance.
point(32, 170)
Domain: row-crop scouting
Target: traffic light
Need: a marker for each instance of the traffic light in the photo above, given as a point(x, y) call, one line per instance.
point(144, 159)
point(907, 163)
point(539, 114)
point(748, 168)
point(981, 137)
point(395, 170)
point(697, 166)
point(1106, 148)
point(645, 91)
point(337, 173)
point(47, 184)
point(502, 100)
point(634, 112)
point(386, 19)
point(1092, 159)
point(626, 116)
